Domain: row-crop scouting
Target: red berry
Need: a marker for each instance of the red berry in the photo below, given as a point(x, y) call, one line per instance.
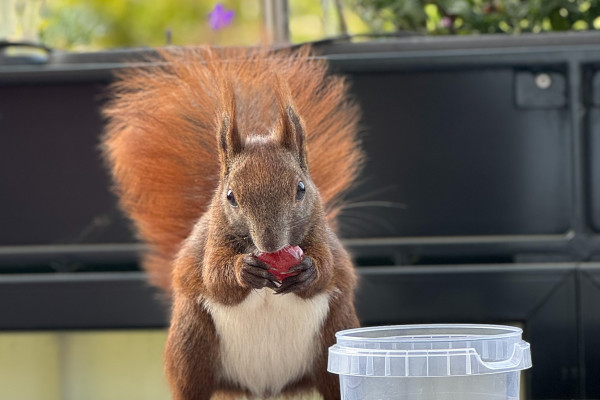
point(282, 260)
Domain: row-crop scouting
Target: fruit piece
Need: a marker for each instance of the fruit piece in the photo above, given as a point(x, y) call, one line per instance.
point(282, 260)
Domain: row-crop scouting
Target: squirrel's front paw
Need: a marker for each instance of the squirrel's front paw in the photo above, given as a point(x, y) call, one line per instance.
point(255, 273)
point(306, 274)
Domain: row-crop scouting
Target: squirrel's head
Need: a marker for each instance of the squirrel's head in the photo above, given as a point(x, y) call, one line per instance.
point(266, 193)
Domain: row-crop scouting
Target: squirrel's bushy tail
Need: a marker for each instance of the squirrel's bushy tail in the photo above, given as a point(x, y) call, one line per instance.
point(161, 138)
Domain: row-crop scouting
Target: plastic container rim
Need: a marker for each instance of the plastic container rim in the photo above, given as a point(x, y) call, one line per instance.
point(505, 332)
point(396, 353)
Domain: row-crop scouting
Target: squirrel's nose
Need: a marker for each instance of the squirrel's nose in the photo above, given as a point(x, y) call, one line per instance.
point(270, 240)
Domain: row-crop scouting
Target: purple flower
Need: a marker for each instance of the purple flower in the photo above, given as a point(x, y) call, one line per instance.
point(446, 22)
point(219, 17)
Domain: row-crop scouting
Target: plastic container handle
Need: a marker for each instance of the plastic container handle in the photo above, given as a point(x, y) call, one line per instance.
point(517, 359)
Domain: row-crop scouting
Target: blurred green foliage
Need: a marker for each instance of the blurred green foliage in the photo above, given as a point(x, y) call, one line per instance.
point(478, 16)
point(106, 24)
point(318, 19)
point(101, 24)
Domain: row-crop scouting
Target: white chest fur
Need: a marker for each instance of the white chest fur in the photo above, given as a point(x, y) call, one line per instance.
point(268, 340)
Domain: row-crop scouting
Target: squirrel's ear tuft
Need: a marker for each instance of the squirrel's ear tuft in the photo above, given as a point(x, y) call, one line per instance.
point(291, 128)
point(230, 141)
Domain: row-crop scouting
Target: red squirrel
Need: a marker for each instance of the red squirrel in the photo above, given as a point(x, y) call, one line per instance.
point(218, 155)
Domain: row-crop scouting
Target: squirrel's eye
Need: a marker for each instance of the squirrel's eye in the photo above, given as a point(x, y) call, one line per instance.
point(300, 191)
point(231, 198)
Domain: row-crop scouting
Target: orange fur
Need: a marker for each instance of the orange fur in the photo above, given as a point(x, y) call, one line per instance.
point(161, 139)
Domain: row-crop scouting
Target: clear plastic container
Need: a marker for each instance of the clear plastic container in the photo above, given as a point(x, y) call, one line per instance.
point(427, 362)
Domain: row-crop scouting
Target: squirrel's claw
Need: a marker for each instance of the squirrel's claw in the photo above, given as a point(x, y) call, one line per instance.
point(307, 274)
point(256, 273)
point(252, 261)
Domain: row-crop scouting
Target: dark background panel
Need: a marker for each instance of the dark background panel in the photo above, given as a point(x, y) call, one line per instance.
point(456, 156)
point(593, 165)
point(552, 328)
point(590, 301)
point(426, 294)
point(54, 187)
point(80, 301)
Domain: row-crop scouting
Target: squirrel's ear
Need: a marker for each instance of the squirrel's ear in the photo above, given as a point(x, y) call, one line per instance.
point(291, 128)
point(230, 141)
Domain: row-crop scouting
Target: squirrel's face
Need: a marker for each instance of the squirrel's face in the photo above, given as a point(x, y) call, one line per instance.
point(268, 196)
point(265, 192)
